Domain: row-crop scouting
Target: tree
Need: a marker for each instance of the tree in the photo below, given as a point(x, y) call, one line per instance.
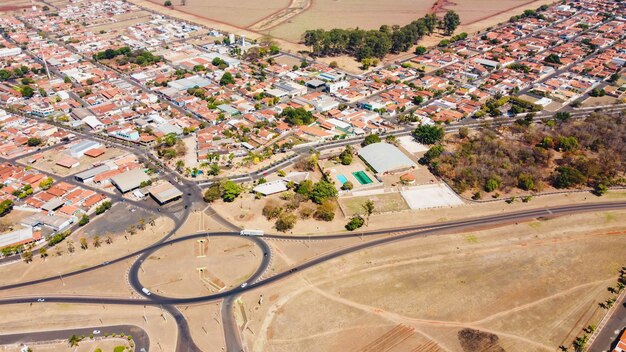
point(5, 207)
point(167, 3)
point(96, 241)
point(297, 117)
point(369, 208)
point(84, 220)
point(227, 78)
point(428, 134)
point(566, 177)
point(212, 193)
point(421, 50)
point(230, 191)
point(347, 186)
point(83, 243)
point(562, 116)
point(43, 252)
point(450, 22)
point(553, 59)
point(74, 340)
point(305, 188)
point(463, 132)
point(286, 222)
point(371, 139)
point(46, 183)
point(346, 156)
point(491, 185)
point(600, 189)
point(322, 191)
point(325, 211)
point(27, 256)
point(33, 142)
point(432, 153)
point(355, 222)
point(27, 91)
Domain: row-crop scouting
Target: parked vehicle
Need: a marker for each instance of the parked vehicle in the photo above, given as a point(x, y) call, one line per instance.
point(146, 291)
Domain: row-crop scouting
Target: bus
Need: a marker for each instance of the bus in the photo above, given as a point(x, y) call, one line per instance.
point(251, 233)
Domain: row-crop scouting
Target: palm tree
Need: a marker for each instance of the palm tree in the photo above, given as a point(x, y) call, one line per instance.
point(96, 241)
point(43, 252)
point(180, 164)
point(151, 221)
point(83, 243)
point(108, 240)
point(620, 287)
point(74, 340)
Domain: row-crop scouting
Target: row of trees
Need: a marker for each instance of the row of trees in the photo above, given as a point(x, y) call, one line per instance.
point(366, 44)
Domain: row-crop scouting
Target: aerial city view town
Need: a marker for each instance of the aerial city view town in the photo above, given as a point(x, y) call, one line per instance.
point(299, 175)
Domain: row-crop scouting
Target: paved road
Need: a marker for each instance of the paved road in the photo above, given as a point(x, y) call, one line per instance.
point(608, 336)
point(139, 335)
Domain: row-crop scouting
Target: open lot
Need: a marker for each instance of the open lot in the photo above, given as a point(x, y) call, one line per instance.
point(50, 158)
point(384, 202)
point(431, 196)
point(532, 285)
point(86, 345)
point(242, 13)
point(192, 268)
point(60, 261)
point(21, 318)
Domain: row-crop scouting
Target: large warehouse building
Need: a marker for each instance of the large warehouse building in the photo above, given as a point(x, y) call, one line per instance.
point(129, 180)
point(386, 158)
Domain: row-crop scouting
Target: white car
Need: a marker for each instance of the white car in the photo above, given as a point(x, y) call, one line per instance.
point(96, 332)
point(41, 300)
point(244, 284)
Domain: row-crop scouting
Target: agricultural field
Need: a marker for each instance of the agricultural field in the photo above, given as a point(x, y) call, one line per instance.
point(287, 20)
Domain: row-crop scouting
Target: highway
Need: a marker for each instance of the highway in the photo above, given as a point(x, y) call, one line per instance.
point(610, 333)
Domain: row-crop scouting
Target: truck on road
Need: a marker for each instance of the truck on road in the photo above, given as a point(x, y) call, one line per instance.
point(146, 291)
point(251, 233)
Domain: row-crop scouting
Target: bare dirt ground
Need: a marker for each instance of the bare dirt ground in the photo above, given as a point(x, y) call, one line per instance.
point(48, 162)
point(192, 268)
point(21, 318)
point(205, 325)
point(246, 213)
point(53, 265)
point(86, 345)
point(533, 285)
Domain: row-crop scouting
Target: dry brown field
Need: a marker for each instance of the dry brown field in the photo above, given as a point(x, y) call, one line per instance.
point(528, 287)
point(277, 17)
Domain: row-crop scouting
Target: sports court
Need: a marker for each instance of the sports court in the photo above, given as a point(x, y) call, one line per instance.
point(431, 196)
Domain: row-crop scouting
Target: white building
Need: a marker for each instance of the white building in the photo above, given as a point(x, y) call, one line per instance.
point(9, 52)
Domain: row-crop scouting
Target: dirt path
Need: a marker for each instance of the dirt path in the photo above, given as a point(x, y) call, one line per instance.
point(542, 300)
point(295, 8)
point(401, 319)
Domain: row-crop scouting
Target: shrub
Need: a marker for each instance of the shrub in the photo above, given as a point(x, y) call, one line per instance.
point(271, 210)
point(212, 194)
point(286, 222)
point(347, 186)
point(322, 191)
point(325, 211)
point(355, 222)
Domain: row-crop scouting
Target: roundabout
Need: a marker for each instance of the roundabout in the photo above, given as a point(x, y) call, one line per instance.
point(201, 266)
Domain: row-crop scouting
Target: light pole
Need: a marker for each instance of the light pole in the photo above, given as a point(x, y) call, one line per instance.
point(61, 277)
